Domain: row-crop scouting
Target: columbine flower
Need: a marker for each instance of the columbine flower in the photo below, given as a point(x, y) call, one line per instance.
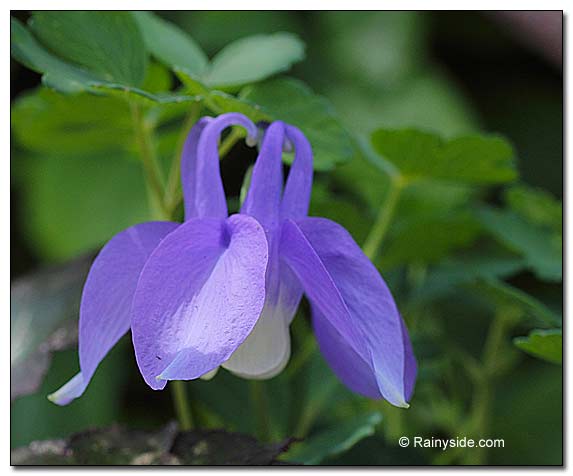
point(222, 291)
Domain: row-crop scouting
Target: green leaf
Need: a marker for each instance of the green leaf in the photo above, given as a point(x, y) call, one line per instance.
point(72, 203)
point(67, 78)
point(471, 159)
point(122, 446)
point(403, 34)
point(536, 427)
point(430, 101)
point(254, 58)
point(57, 73)
point(333, 441)
point(171, 45)
point(536, 205)
point(544, 344)
point(328, 204)
point(540, 247)
point(108, 44)
point(158, 78)
point(222, 102)
point(44, 308)
point(45, 121)
point(428, 238)
point(292, 101)
point(468, 267)
point(145, 97)
point(500, 293)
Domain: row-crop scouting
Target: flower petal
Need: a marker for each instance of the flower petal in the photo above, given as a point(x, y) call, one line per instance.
point(346, 363)
point(264, 195)
point(199, 296)
point(350, 367)
point(332, 268)
point(106, 299)
point(296, 197)
point(200, 171)
point(189, 167)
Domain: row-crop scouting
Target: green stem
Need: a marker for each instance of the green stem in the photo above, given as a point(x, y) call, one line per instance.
point(306, 350)
point(484, 383)
point(261, 409)
point(172, 190)
point(312, 410)
point(182, 407)
point(153, 174)
point(384, 217)
point(230, 141)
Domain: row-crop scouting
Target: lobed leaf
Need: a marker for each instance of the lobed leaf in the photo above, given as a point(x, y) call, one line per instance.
point(71, 78)
point(426, 239)
point(56, 73)
point(536, 205)
point(252, 59)
point(466, 268)
point(470, 159)
point(540, 247)
point(500, 293)
point(108, 44)
point(45, 121)
point(171, 45)
point(546, 344)
point(290, 100)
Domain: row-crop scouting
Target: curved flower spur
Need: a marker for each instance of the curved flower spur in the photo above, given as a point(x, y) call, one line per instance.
point(222, 291)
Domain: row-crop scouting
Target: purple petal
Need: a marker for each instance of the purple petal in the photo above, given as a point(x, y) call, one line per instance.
point(263, 197)
point(106, 299)
point(297, 190)
point(350, 367)
point(205, 197)
point(198, 297)
point(333, 268)
point(189, 167)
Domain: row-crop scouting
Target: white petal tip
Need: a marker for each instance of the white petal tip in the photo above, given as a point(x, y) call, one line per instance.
point(56, 398)
point(69, 391)
point(251, 141)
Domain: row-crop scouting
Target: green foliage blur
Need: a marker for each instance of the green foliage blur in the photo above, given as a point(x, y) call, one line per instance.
point(438, 145)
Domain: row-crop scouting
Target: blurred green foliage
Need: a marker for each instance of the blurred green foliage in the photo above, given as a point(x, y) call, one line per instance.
point(428, 149)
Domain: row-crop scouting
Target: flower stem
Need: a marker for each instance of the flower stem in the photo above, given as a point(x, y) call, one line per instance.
point(182, 407)
point(484, 388)
point(314, 407)
point(384, 217)
point(153, 174)
point(230, 141)
point(172, 190)
point(261, 409)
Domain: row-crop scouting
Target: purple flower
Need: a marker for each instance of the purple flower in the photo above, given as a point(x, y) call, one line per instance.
point(222, 291)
